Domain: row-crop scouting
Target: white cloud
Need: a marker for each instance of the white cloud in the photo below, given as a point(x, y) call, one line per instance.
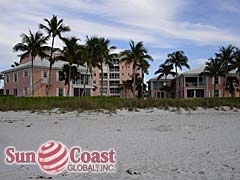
point(156, 22)
point(155, 18)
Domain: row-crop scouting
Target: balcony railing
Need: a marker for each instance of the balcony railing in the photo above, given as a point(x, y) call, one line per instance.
point(194, 84)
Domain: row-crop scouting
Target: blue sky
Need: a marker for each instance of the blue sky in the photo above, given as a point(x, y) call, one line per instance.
point(196, 27)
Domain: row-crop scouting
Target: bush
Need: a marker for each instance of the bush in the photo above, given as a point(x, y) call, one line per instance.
point(109, 103)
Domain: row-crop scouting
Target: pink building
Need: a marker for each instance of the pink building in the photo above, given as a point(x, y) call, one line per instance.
point(17, 80)
point(196, 84)
point(114, 75)
point(162, 88)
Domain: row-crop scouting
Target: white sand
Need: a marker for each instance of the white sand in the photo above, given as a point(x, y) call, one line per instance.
point(156, 144)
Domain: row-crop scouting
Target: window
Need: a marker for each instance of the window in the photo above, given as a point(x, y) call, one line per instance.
point(122, 74)
point(115, 61)
point(155, 85)
point(25, 73)
point(190, 93)
point(94, 74)
point(216, 93)
point(104, 90)
point(114, 83)
point(199, 93)
point(7, 92)
point(15, 92)
point(216, 80)
point(25, 91)
point(7, 78)
point(94, 82)
point(162, 95)
point(105, 75)
point(114, 75)
point(191, 81)
point(114, 68)
point(44, 74)
point(15, 77)
point(201, 81)
point(60, 91)
point(105, 83)
point(114, 90)
point(84, 78)
point(60, 75)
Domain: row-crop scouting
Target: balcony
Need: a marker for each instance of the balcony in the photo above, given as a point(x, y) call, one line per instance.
point(195, 81)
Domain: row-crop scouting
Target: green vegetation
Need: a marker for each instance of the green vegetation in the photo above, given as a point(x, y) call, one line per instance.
point(108, 103)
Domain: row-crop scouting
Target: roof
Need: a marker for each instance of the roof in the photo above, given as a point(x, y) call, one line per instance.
point(43, 64)
point(169, 77)
point(197, 70)
point(200, 69)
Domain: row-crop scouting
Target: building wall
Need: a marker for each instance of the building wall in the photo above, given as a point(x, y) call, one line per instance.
point(40, 83)
point(208, 87)
point(125, 73)
point(159, 91)
point(22, 82)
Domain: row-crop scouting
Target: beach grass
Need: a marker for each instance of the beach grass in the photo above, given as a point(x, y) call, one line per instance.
point(8, 103)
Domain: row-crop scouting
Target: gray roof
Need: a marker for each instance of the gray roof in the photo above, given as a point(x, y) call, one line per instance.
point(200, 69)
point(197, 70)
point(43, 64)
point(169, 77)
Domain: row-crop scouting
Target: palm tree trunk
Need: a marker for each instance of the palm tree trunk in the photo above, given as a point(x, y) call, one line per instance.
point(142, 84)
point(101, 79)
point(69, 78)
point(176, 83)
point(50, 68)
point(166, 85)
point(239, 83)
point(32, 78)
point(134, 81)
point(84, 85)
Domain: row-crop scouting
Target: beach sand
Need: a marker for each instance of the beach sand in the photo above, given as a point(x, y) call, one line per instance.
point(150, 144)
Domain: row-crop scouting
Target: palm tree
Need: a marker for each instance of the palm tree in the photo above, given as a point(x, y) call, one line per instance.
point(71, 53)
point(32, 45)
point(214, 69)
point(144, 66)
point(226, 55)
point(165, 70)
point(53, 28)
point(134, 56)
point(70, 73)
point(236, 63)
point(178, 60)
point(102, 54)
point(88, 56)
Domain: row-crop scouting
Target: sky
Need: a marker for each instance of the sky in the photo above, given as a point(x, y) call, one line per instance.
point(198, 28)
